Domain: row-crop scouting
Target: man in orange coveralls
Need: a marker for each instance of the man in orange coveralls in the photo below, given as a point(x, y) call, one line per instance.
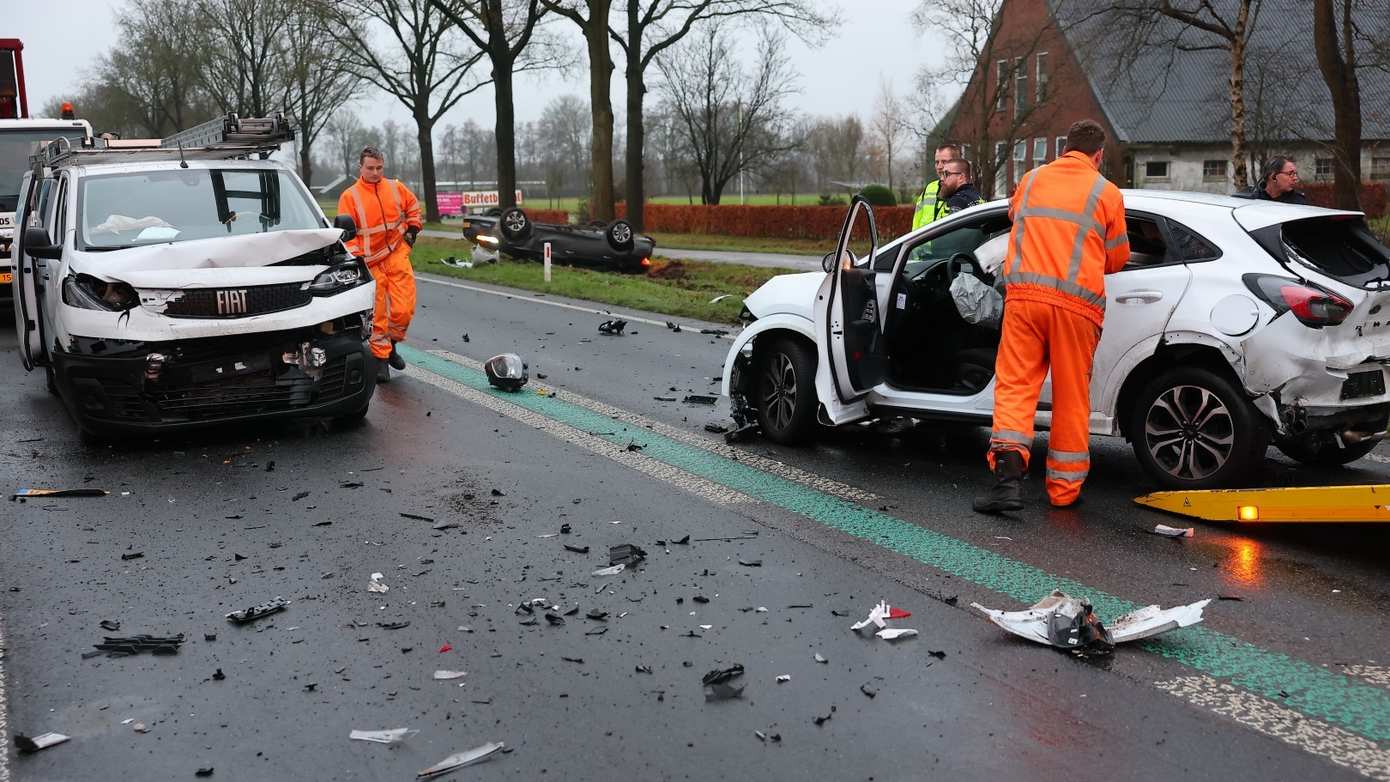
point(1068, 233)
point(388, 222)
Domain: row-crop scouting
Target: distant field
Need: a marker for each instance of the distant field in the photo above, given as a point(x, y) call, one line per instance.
point(571, 203)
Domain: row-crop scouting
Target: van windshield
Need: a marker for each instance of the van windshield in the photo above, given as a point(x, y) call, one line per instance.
point(1341, 247)
point(116, 211)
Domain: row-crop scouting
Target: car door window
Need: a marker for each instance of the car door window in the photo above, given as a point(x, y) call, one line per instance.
point(979, 239)
point(1147, 244)
point(1189, 247)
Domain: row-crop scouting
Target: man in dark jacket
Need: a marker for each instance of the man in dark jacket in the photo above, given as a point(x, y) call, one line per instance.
point(957, 191)
point(1277, 183)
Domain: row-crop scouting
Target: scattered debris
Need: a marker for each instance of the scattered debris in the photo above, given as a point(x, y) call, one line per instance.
point(565, 529)
point(1065, 622)
point(700, 399)
point(133, 555)
point(577, 549)
point(894, 633)
point(382, 736)
point(610, 571)
point(25, 493)
point(597, 615)
point(140, 727)
point(751, 562)
point(879, 614)
point(554, 619)
point(664, 398)
point(720, 298)
point(673, 326)
point(716, 428)
point(1230, 597)
point(784, 678)
point(444, 676)
point(203, 772)
point(272, 606)
point(867, 690)
point(820, 658)
point(393, 625)
point(506, 371)
point(461, 759)
point(28, 744)
point(299, 496)
point(719, 685)
point(218, 675)
point(110, 625)
point(579, 660)
point(115, 646)
point(643, 669)
point(626, 554)
point(613, 328)
point(938, 654)
point(1173, 532)
point(376, 585)
point(822, 720)
point(715, 332)
point(416, 516)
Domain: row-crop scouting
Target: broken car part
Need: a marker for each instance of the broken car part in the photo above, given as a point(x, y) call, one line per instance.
point(444, 676)
point(31, 493)
point(1173, 532)
point(1065, 622)
point(879, 614)
point(272, 606)
point(506, 371)
point(461, 759)
point(28, 744)
point(894, 633)
point(115, 646)
point(382, 736)
point(613, 328)
point(719, 684)
point(376, 585)
point(626, 554)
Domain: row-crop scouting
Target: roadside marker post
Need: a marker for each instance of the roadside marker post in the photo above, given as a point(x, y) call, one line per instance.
point(547, 261)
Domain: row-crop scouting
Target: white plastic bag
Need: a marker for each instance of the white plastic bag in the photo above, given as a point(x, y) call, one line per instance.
point(977, 302)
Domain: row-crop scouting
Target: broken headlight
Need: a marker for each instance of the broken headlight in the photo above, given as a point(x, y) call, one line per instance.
point(89, 293)
point(339, 278)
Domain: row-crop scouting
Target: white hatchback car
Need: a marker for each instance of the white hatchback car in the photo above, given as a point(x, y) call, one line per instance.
point(1236, 324)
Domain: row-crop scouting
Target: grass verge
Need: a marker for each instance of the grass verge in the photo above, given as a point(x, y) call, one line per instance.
point(672, 244)
point(676, 288)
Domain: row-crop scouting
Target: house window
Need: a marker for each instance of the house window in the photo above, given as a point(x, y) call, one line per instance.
point(1322, 168)
point(1020, 159)
point(1020, 87)
point(1001, 99)
point(1380, 168)
point(1040, 79)
point(1039, 150)
point(1155, 169)
point(1000, 167)
point(1214, 170)
point(1061, 146)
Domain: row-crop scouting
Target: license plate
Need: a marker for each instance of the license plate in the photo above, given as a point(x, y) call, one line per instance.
point(6, 278)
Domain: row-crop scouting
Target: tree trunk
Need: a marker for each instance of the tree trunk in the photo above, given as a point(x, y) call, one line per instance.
point(1339, 72)
point(506, 135)
point(1238, 169)
point(306, 159)
point(601, 106)
point(424, 133)
point(636, 137)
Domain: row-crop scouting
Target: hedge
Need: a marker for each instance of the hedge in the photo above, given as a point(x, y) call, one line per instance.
point(551, 216)
point(1373, 200)
point(774, 222)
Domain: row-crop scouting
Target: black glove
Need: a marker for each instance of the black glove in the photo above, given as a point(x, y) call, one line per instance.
point(411, 234)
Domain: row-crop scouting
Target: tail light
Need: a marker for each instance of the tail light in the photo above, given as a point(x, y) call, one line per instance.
point(646, 262)
point(1314, 306)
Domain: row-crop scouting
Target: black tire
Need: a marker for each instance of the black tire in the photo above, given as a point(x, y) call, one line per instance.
point(355, 418)
point(51, 377)
point(1324, 452)
point(620, 235)
point(1191, 428)
point(784, 390)
point(514, 225)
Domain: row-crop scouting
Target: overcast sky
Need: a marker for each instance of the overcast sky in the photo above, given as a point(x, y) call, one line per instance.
point(874, 40)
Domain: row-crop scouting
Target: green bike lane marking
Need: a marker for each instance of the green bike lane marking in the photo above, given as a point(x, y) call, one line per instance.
point(1293, 683)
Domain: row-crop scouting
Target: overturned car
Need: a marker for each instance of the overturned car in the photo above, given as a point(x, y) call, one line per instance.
point(166, 285)
point(614, 245)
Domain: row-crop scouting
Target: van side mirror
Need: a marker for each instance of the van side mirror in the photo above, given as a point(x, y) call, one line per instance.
point(347, 225)
point(38, 245)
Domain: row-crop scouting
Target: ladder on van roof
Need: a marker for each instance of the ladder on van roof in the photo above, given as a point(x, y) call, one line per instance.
point(224, 138)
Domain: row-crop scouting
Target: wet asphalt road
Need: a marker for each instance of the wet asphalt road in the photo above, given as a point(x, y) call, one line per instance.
point(219, 529)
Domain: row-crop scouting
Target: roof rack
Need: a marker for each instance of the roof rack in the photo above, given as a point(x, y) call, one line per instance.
point(220, 139)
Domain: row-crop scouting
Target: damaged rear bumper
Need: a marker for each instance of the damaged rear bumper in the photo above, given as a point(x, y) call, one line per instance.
point(114, 386)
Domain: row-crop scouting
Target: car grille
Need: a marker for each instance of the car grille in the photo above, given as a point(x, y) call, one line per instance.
point(238, 302)
point(249, 394)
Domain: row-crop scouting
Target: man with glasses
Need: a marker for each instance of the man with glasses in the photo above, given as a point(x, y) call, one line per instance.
point(1280, 175)
point(930, 205)
point(957, 189)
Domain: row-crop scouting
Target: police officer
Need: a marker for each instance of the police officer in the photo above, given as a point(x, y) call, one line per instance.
point(929, 206)
point(957, 190)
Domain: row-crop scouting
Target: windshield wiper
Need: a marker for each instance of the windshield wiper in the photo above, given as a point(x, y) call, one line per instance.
point(106, 248)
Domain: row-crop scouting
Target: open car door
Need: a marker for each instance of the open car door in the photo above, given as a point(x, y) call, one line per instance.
point(27, 317)
point(849, 324)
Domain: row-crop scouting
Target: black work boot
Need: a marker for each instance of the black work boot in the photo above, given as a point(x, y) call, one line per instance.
point(1006, 493)
point(383, 370)
point(396, 361)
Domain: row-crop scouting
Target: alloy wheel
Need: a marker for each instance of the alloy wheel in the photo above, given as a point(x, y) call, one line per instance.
point(516, 222)
point(622, 233)
point(1189, 432)
point(779, 395)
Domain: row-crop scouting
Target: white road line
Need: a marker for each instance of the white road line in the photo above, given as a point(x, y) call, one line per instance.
point(763, 463)
point(1375, 674)
point(694, 484)
point(549, 303)
point(4, 713)
point(1264, 716)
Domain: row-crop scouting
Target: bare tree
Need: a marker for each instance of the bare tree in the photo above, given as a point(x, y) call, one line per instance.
point(563, 133)
point(1337, 62)
point(315, 86)
point(734, 121)
point(887, 123)
point(997, 106)
point(243, 42)
point(649, 27)
point(347, 137)
point(155, 69)
point(503, 31)
point(421, 66)
point(595, 29)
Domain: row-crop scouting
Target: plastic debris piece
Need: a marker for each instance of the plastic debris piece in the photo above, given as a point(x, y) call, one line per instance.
point(382, 736)
point(867, 690)
point(203, 772)
point(140, 727)
point(937, 653)
point(719, 684)
point(700, 399)
point(720, 298)
point(751, 562)
point(444, 676)
point(820, 658)
point(819, 720)
point(1173, 532)
point(28, 744)
point(109, 625)
point(272, 606)
point(612, 328)
point(114, 646)
point(643, 669)
point(715, 332)
point(879, 614)
point(673, 326)
point(784, 678)
point(133, 555)
point(506, 371)
point(626, 554)
point(894, 633)
point(446, 648)
point(554, 619)
point(716, 428)
point(461, 759)
point(597, 615)
point(579, 660)
point(416, 517)
point(25, 493)
point(577, 549)
point(1065, 622)
point(376, 585)
point(393, 625)
point(610, 571)
point(218, 675)
point(565, 529)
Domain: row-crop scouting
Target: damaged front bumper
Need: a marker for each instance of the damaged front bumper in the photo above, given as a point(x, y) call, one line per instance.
point(119, 385)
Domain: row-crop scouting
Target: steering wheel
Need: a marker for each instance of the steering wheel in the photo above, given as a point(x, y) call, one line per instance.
point(959, 260)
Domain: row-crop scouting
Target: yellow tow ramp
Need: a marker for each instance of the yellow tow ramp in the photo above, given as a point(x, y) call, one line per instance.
point(1298, 504)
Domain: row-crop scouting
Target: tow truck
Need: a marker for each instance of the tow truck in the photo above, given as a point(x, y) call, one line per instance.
point(20, 137)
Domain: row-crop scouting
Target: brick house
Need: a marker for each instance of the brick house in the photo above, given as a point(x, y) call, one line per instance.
point(1049, 63)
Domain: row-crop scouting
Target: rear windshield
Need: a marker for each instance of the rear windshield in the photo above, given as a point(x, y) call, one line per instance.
point(1343, 248)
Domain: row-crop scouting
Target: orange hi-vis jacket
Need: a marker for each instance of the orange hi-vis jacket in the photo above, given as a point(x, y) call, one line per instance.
point(382, 212)
point(1068, 233)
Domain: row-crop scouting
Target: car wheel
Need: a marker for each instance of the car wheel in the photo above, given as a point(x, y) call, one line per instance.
point(515, 225)
point(620, 234)
point(1324, 452)
point(784, 391)
point(1191, 428)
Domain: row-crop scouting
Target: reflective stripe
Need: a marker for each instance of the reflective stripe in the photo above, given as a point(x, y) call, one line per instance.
point(1085, 221)
point(1018, 222)
point(1066, 475)
point(1064, 286)
point(1010, 436)
point(1079, 243)
point(1069, 456)
point(1117, 241)
point(364, 232)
